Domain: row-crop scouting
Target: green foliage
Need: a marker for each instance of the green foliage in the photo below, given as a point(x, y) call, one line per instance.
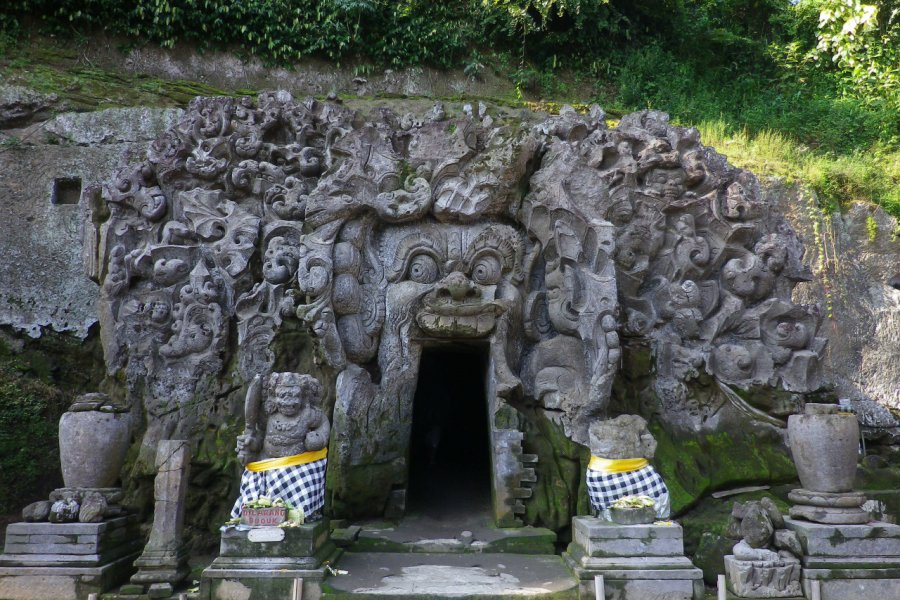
point(863, 41)
point(820, 75)
point(29, 456)
point(279, 31)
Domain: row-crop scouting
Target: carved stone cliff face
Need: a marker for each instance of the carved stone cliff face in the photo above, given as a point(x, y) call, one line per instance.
point(546, 243)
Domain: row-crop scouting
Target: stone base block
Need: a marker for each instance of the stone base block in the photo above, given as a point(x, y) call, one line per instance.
point(858, 584)
point(761, 579)
point(861, 562)
point(273, 542)
point(874, 540)
point(67, 561)
point(636, 561)
point(827, 499)
point(640, 584)
point(599, 538)
point(268, 563)
point(61, 582)
point(260, 584)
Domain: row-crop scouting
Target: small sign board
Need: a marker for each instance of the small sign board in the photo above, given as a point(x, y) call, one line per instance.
point(263, 517)
point(266, 534)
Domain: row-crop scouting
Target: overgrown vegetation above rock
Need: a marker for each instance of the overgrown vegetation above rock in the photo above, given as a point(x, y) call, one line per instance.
point(764, 69)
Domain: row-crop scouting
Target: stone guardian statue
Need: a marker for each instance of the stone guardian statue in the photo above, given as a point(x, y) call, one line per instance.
point(621, 449)
point(284, 446)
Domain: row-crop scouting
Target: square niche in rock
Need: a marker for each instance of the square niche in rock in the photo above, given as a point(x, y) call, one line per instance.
point(66, 190)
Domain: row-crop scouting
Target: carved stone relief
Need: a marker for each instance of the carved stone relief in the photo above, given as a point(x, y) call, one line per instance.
point(547, 244)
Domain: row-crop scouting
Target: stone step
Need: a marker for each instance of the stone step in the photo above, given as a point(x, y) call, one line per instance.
point(381, 575)
point(420, 534)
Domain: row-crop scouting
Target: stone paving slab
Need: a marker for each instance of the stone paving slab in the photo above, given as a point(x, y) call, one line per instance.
point(418, 533)
point(420, 575)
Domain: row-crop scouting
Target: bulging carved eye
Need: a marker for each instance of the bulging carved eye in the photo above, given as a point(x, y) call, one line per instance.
point(486, 270)
point(422, 269)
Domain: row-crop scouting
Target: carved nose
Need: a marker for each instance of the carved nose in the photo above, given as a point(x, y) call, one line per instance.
point(458, 286)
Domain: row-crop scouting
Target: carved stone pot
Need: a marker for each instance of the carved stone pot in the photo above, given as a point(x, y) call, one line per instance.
point(93, 440)
point(824, 445)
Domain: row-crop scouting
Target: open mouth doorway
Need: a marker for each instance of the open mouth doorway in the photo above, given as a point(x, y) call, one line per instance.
point(450, 466)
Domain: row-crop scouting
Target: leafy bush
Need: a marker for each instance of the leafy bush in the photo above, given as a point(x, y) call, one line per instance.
point(29, 455)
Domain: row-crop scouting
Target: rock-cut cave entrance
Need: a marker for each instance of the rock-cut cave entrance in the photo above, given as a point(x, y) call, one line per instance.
point(450, 465)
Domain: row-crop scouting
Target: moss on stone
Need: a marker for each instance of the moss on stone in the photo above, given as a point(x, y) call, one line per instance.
point(560, 491)
point(695, 464)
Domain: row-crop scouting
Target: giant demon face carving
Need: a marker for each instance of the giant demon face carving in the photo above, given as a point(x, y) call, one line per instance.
point(463, 275)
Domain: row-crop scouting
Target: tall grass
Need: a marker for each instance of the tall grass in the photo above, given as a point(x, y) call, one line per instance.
point(862, 175)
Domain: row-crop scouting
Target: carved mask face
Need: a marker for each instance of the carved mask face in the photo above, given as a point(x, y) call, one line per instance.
point(281, 260)
point(288, 400)
point(456, 270)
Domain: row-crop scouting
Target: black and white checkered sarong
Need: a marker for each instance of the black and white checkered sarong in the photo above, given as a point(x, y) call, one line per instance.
point(302, 486)
point(606, 488)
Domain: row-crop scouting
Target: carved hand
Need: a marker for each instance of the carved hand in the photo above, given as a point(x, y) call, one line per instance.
point(247, 448)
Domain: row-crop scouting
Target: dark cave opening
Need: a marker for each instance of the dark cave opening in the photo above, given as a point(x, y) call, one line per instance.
point(450, 467)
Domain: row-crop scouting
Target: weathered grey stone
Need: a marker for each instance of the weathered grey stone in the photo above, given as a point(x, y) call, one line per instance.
point(772, 511)
point(164, 559)
point(390, 245)
point(744, 551)
point(601, 538)
point(92, 446)
point(786, 539)
point(64, 511)
point(826, 499)
point(93, 508)
point(874, 540)
point(37, 511)
point(863, 361)
point(19, 105)
point(763, 579)
point(292, 423)
point(299, 542)
point(159, 590)
point(756, 526)
point(112, 126)
point(830, 516)
point(824, 446)
point(625, 436)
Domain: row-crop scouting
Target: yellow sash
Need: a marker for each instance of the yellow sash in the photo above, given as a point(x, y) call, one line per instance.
point(287, 461)
point(617, 465)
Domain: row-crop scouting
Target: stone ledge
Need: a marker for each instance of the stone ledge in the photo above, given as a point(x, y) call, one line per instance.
point(69, 528)
point(875, 539)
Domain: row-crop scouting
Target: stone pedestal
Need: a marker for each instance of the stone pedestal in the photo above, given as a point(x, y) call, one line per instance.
point(636, 561)
point(67, 561)
point(268, 563)
point(849, 561)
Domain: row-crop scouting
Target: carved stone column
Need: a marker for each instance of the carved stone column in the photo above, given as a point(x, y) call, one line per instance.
point(164, 560)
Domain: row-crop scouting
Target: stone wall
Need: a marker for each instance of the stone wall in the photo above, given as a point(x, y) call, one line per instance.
point(855, 255)
point(46, 210)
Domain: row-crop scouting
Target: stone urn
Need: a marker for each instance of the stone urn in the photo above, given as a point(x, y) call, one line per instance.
point(94, 435)
point(825, 445)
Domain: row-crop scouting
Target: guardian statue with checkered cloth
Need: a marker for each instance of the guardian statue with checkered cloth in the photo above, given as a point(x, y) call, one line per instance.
point(284, 446)
point(621, 450)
